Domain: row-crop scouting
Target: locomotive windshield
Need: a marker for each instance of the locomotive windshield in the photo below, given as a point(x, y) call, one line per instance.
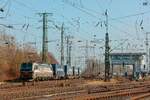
point(26, 67)
point(44, 66)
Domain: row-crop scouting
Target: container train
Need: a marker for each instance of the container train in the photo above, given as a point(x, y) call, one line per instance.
point(36, 71)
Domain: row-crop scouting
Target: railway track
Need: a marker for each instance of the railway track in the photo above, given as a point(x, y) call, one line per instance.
point(121, 93)
point(145, 96)
point(74, 89)
point(38, 89)
point(111, 95)
point(83, 95)
point(51, 83)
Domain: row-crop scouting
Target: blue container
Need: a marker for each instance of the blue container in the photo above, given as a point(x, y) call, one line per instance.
point(54, 69)
point(78, 71)
point(73, 70)
point(65, 70)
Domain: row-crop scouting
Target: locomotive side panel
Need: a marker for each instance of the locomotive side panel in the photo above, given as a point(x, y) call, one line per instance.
point(42, 72)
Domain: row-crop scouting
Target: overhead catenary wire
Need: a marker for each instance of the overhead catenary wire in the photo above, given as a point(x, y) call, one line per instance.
point(5, 3)
point(26, 6)
point(9, 6)
point(71, 23)
point(86, 10)
point(99, 5)
point(110, 19)
point(8, 3)
point(114, 19)
point(88, 14)
point(92, 14)
point(80, 9)
point(3, 9)
point(131, 15)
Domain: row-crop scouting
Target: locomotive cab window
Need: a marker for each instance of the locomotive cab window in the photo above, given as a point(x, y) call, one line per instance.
point(26, 67)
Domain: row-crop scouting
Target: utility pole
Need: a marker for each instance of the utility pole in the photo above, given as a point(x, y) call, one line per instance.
point(147, 52)
point(86, 47)
point(69, 49)
point(62, 45)
point(45, 36)
point(87, 60)
point(87, 50)
point(107, 51)
point(86, 56)
point(67, 61)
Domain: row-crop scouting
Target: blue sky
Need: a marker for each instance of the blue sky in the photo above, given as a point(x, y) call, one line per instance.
point(80, 21)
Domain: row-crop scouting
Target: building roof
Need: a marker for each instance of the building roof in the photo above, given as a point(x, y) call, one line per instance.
point(129, 53)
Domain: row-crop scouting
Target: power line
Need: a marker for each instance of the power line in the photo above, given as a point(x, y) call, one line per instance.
point(117, 18)
point(128, 34)
point(9, 6)
point(132, 15)
point(109, 18)
point(24, 5)
point(99, 5)
point(5, 3)
point(3, 8)
point(80, 9)
point(72, 24)
point(87, 12)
